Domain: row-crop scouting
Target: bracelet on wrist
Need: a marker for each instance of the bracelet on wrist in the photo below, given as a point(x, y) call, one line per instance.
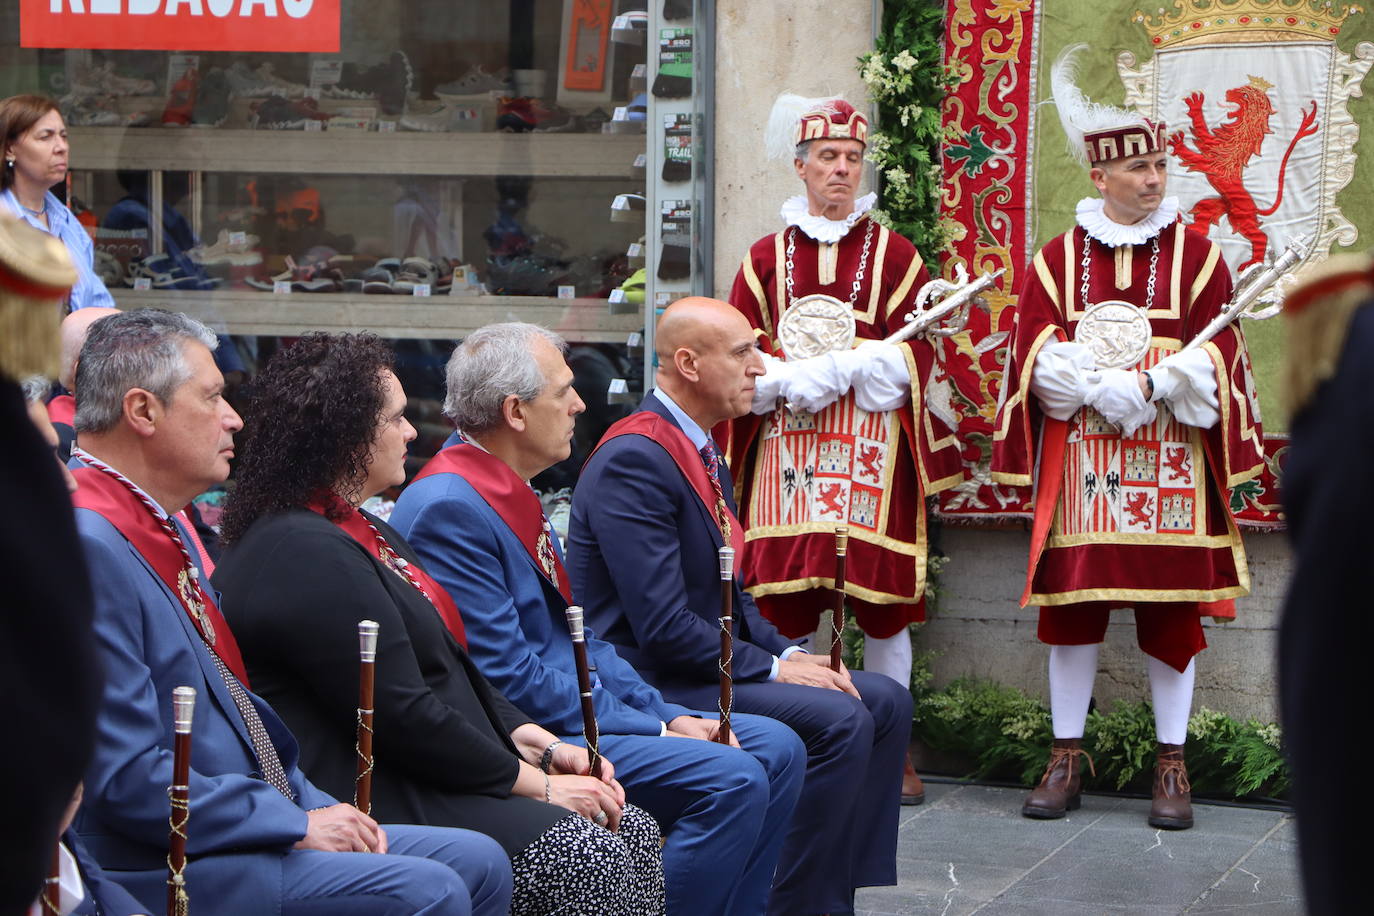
point(548, 791)
point(546, 759)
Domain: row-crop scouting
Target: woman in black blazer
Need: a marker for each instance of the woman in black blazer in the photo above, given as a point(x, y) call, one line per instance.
point(303, 565)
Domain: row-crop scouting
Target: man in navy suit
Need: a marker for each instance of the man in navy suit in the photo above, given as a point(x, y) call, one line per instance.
point(154, 431)
point(481, 532)
point(648, 518)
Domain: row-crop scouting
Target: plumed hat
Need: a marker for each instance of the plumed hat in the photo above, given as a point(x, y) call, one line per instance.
point(796, 119)
point(1099, 133)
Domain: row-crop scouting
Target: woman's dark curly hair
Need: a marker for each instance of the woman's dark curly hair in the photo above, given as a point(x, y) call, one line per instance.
point(310, 425)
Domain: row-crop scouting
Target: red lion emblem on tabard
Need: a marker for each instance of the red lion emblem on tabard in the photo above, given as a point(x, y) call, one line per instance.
point(1140, 506)
point(869, 461)
point(830, 495)
point(1222, 155)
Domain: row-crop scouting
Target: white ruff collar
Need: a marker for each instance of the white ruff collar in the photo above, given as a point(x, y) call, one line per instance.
point(795, 212)
point(1113, 234)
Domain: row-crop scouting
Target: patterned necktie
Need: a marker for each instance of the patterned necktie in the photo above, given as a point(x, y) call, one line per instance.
point(711, 458)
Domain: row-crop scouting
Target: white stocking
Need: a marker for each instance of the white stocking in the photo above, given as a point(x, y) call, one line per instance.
point(1172, 692)
point(1072, 672)
point(890, 656)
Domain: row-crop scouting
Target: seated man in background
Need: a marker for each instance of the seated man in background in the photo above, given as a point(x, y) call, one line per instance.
point(155, 431)
point(650, 512)
point(480, 530)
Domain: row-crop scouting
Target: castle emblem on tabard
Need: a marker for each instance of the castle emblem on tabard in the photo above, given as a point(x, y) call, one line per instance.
point(1255, 94)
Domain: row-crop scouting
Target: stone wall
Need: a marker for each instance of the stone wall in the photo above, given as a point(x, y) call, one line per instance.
point(978, 629)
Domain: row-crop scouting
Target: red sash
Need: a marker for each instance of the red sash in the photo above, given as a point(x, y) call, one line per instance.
point(119, 506)
point(360, 529)
point(509, 497)
point(62, 409)
point(674, 441)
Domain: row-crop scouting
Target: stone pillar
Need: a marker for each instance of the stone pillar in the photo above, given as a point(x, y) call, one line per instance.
point(763, 49)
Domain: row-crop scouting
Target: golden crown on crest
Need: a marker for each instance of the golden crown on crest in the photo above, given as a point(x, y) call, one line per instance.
point(1214, 21)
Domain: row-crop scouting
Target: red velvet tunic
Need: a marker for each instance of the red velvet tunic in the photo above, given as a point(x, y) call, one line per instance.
point(797, 475)
point(1144, 518)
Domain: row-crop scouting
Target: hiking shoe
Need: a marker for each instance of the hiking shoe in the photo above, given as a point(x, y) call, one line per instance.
point(248, 83)
point(475, 82)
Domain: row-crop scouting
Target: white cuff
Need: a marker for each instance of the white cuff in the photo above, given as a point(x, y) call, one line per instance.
point(884, 381)
point(770, 386)
point(1116, 395)
point(817, 382)
point(1060, 378)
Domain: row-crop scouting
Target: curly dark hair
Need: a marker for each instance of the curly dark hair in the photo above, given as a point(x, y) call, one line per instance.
point(309, 425)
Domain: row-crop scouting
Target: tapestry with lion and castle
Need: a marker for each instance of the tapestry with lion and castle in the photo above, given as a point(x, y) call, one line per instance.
point(1271, 141)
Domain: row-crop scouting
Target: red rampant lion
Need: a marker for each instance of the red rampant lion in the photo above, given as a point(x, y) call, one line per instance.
point(1222, 155)
point(829, 495)
point(1180, 462)
point(868, 460)
point(1139, 505)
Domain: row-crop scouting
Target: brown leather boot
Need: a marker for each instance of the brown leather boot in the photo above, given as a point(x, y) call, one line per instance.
point(1172, 808)
point(913, 791)
point(1061, 788)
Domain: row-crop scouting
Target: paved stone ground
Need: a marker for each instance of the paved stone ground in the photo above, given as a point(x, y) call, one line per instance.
point(969, 850)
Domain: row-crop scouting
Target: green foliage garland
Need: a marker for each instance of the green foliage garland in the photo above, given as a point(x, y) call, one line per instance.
point(907, 81)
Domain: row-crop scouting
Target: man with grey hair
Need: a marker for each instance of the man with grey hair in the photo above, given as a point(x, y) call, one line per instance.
point(155, 431)
point(479, 527)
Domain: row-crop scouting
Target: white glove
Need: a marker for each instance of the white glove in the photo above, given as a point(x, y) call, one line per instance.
point(771, 385)
point(817, 382)
point(1060, 378)
point(1188, 381)
point(1116, 395)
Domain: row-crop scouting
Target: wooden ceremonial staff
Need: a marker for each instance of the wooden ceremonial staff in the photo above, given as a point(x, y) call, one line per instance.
point(584, 684)
point(837, 615)
point(367, 679)
point(183, 707)
point(727, 648)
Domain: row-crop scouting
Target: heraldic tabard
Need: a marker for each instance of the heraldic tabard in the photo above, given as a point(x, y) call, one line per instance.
point(799, 474)
point(1160, 491)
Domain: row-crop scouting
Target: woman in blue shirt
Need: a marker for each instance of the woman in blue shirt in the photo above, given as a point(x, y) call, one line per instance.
point(35, 146)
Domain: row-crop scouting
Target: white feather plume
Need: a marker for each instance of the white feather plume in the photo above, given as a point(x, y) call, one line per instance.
point(1077, 114)
point(780, 136)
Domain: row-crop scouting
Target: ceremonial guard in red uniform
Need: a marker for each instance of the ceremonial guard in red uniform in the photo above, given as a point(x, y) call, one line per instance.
point(839, 431)
point(1130, 439)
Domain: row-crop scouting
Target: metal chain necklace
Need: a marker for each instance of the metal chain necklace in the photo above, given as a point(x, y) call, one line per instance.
point(858, 275)
point(1086, 268)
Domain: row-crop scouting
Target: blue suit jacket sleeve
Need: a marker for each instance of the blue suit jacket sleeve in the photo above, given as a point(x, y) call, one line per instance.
point(145, 650)
point(635, 506)
point(511, 632)
point(103, 896)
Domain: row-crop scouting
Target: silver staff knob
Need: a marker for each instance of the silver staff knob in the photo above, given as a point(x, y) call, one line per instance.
point(367, 640)
point(727, 563)
point(575, 622)
point(183, 707)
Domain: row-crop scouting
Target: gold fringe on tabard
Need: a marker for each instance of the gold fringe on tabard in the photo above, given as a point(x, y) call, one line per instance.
point(1318, 315)
point(29, 336)
point(35, 273)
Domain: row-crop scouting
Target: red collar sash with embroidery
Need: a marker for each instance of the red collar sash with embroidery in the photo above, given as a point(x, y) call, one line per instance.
point(509, 497)
point(674, 441)
point(361, 530)
point(121, 507)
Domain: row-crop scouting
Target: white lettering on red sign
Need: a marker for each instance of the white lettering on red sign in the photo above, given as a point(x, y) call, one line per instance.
point(296, 9)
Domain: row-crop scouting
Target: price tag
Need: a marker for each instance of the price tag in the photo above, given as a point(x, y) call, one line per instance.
point(325, 73)
point(663, 300)
point(239, 239)
point(313, 125)
point(460, 285)
point(641, 161)
point(617, 386)
point(617, 295)
point(622, 113)
point(420, 289)
point(281, 287)
point(143, 283)
point(635, 250)
point(634, 339)
point(386, 127)
point(567, 292)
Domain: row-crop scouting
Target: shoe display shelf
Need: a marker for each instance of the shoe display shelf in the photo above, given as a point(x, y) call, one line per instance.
point(441, 317)
point(356, 152)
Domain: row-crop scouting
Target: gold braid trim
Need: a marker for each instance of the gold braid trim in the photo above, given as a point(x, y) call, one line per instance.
point(1318, 316)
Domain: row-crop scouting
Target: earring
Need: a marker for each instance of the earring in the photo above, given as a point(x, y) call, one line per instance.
point(9, 162)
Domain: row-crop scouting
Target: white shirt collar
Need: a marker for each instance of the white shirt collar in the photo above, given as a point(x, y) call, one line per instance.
point(796, 212)
point(689, 426)
point(1097, 224)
